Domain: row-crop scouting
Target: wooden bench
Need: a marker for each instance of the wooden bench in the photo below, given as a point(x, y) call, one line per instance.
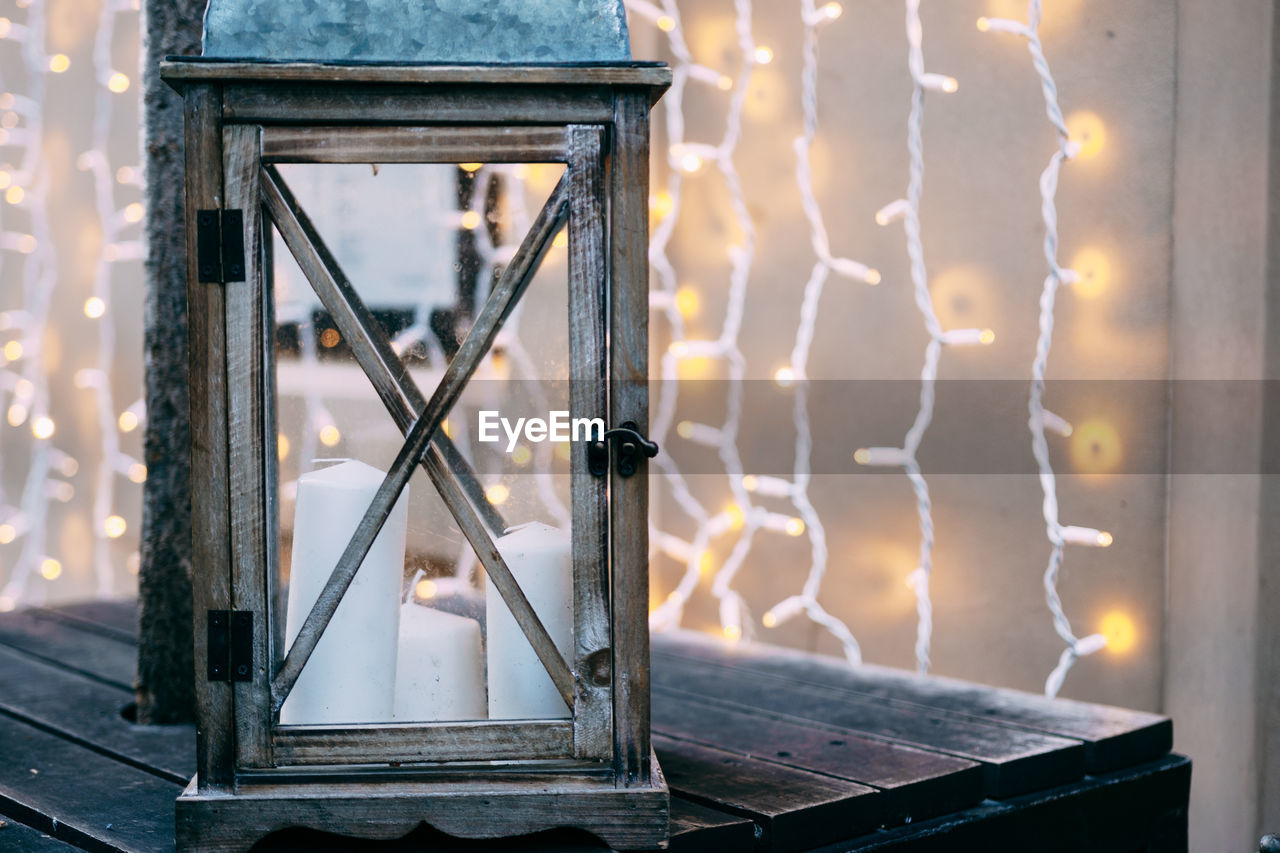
point(764, 749)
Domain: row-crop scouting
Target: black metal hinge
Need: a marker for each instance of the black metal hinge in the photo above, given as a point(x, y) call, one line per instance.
point(220, 245)
point(230, 645)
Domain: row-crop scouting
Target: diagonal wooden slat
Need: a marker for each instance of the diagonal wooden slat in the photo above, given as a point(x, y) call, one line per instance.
point(497, 309)
point(362, 333)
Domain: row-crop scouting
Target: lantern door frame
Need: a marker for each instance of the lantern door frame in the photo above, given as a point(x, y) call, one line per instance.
point(595, 770)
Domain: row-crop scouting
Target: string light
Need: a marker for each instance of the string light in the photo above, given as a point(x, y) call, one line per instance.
point(1088, 133)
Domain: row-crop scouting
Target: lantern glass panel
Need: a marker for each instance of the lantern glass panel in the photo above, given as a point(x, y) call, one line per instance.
point(422, 246)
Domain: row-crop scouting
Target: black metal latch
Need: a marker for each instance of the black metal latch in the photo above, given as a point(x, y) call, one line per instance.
point(630, 445)
point(220, 245)
point(230, 645)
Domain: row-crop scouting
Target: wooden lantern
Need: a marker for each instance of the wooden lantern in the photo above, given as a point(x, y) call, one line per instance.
point(595, 769)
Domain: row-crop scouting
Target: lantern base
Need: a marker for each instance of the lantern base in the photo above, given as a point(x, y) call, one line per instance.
point(514, 804)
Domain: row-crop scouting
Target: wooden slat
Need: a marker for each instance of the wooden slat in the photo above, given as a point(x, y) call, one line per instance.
point(1014, 760)
point(364, 336)
point(247, 441)
point(1113, 737)
point(397, 104)
point(211, 537)
point(413, 144)
point(88, 713)
point(588, 398)
point(629, 375)
point(540, 739)
point(696, 829)
point(17, 836)
point(917, 784)
point(81, 797)
point(115, 619)
point(497, 308)
point(794, 809)
point(631, 74)
point(72, 648)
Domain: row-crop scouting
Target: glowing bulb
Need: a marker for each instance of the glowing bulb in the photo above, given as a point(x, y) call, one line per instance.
point(282, 446)
point(1095, 447)
point(137, 473)
point(690, 163)
point(114, 526)
point(118, 83)
point(1093, 271)
point(1088, 132)
point(706, 565)
point(127, 421)
point(684, 429)
point(125, 175)
point(950, 85)
point(784, 376)
point(660, 204)
point(50, 568)
point(133, 212)
point(14, 195)
point(1119, 630)
point(425, 588)
point(1105, 539)
point(329, 435)
point(725, 83)
point(6, 26)
point(795, 527)
point(736, 517)
point(688, 301)
point(471, 220)
point(764, 55)
point(750, 482)
point(561, 240)
point(831, 11)
point(984, 25)
point(13, 350)
point(872, 276)
point(94, 307)
point(666, 23)
point(470, 167)
point(7, 534)
point(330, 338)
point(862, 456)
point(42, 427)
point(17, 415)
point(5, 179)
point(987, 336)
point(770, 620)
point(59, 63)
point(497, 494)
point(732, 633)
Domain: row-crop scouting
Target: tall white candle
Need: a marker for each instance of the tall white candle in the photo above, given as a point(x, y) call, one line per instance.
point(439, 668)
point(350, 677)
point(519, 687)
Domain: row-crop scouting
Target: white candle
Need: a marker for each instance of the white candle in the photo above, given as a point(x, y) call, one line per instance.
point(350, 677)
point(439, 668)
point(519, 687)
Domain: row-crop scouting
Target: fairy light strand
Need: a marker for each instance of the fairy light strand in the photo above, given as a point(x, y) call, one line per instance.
point(1039, 420)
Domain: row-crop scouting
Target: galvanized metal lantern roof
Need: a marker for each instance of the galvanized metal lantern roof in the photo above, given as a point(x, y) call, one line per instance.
point(518, 32)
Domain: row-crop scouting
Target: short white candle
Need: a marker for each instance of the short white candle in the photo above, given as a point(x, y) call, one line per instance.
point(350, 677)
point(439, 668)
point(519, 686)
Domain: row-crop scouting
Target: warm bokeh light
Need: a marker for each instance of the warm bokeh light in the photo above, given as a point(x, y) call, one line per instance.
point(1095, 447)
point(522, 455)
point(50, 568)
point(666, 23)
point(561, 240)
point(114, 526)
point(795, 527)
point(470, 167)
point(282, 446)
point(1121, 633)
point(690, 163)
point(1093, 267)
point(784, 376)
point(471, 221)
point(831, 11)
point(329, 435)
point(13, 350)
point(732, 633)
point(497, 494)
point(764, 55)
point(43, 427)
point(660, 204)
point(133, 212)
point(706, 565)
point(770, 620)
point(14, 195)
point(127, 421)
point(688, 301)
point(987, 337)
point(330, 338)
point(94, 307)
point(118, 83)
point(862, 456)
point(1087, 130)
point(736, 518)
point(425, 588)
point(7, 533)
point(59, 63)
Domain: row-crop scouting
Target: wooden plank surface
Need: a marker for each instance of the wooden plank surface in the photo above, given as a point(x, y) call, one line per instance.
point(1014, 760)
point(288, 144)
point(116, 619)
point(794, 809)
point(695, 829)
point(16, 836)
point(82, 797)
point(55, 641)
point(1112, 737)
point(914, 783)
